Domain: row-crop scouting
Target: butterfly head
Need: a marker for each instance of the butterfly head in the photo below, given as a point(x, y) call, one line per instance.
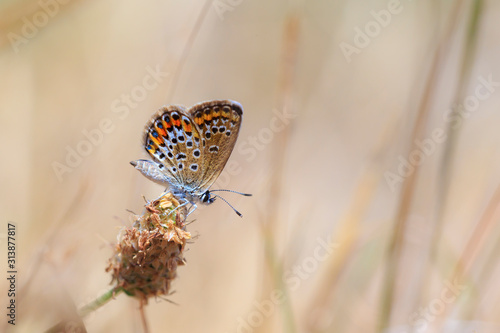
point(207, 198)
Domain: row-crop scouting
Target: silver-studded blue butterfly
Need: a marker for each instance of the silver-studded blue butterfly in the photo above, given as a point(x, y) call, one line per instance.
point(190, 147)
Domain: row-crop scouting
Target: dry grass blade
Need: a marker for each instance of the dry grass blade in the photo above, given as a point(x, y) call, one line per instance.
point(452, 133)
point(473, 248)
point(397, 243)
point(469, 52)
point(271, 220)
point(347, 235)
point(187, 47)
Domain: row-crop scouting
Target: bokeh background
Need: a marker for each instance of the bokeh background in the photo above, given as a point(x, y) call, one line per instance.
point(369, 141)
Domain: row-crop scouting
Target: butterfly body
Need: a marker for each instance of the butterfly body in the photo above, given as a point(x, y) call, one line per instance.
point(190, 147)
point(151, 171)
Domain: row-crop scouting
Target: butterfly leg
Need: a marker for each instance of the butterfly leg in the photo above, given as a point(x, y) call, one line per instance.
point(162, 195)
point(192, 208)
point(181, 205)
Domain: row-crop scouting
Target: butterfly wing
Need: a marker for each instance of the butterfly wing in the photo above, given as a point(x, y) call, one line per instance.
point(218, 123)
point(190, 148)
point(169, 137)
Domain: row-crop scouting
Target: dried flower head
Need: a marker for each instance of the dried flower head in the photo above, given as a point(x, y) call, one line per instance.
point(147, 254)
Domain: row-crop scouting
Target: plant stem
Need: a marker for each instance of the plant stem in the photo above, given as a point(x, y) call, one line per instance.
point(99, 301)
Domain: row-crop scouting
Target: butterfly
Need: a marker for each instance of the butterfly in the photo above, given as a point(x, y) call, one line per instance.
point(190, 147)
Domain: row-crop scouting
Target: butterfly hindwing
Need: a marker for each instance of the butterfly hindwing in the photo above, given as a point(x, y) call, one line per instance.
point(219, 124)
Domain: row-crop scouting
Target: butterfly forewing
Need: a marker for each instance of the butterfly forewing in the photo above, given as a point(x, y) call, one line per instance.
point(168, 139)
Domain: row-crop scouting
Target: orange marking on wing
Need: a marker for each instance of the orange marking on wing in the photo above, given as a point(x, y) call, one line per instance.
point(151, 150)
point(161, 131)
point(160, 139)
point(176, 122)
point(198, 120)
point(207, 117)
point(187, 127)
point(165, 124)
point(157, 141)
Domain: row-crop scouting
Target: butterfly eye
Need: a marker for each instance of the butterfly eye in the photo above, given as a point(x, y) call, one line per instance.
point(205, 197)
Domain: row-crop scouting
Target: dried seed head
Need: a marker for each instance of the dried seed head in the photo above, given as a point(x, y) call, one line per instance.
point(147, 254)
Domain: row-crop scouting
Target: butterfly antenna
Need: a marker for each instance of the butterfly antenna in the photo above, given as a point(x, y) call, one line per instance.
point(218, 196)
point(245, 194)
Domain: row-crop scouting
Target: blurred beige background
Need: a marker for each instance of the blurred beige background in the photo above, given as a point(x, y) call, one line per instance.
point(334, 95)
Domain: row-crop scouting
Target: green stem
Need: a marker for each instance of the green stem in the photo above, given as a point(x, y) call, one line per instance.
point(76, 322)
point(99, 301)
